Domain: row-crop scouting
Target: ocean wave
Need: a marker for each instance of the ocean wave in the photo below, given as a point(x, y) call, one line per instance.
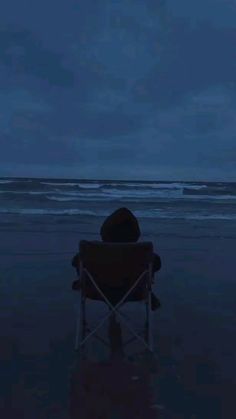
point(152, 214)
point(111, 196)
point(81, 198)
point(212, 191)
point(135, 193)
point(114, 194)
point(180, 186)
point(23, 193)
point(3, 182)
point(17, 181)
point(212, 217)
point(80, 185)
point(190, 216)
point(58, 183)
point(40, 211)
point(151, 185)
point(63, 198)
point(210, 198)
point(129, 191)
point(90, 185)
point(24, 186)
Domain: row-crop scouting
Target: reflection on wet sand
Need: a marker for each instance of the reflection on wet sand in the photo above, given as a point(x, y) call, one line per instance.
point(117, 388)
point(107, 390)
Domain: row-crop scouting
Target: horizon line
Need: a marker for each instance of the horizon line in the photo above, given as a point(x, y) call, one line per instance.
point(116, 180)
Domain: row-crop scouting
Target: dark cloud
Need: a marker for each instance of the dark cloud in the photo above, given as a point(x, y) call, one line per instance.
point(118, 89)
point(218, 13)
point(23, 53)
point(194, 59)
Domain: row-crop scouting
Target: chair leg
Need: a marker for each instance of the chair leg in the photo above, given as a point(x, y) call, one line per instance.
point(81, 326)
point(148, 324)
point(78, 328)
point(81, 329)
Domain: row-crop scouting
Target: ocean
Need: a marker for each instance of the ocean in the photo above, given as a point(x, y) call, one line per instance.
point(98, 198)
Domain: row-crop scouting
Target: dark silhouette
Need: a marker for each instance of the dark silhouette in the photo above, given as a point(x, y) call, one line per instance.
point(121, 227)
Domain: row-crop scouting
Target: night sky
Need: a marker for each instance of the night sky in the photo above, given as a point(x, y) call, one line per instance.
point(128, 89)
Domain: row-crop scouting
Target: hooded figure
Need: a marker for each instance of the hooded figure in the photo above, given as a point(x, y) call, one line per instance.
point(121, 226)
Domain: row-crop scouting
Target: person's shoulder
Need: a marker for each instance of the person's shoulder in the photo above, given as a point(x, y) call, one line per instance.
point(75, 260)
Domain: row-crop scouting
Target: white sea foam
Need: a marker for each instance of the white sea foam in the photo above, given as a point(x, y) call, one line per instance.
point(212, 217)
point(63, 198)
point(111, 194)
point(143, 193)
point(126, 185)
point(210, 197)
point(115, 194)
point(58, 183)
point(82, 185)
point(5, 181)
point(90, 185)
point(20, 180)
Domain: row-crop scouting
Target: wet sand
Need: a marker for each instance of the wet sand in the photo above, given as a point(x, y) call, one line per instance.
point(194, 331)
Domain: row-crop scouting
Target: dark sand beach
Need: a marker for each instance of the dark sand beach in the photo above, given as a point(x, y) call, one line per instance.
point(194, 331)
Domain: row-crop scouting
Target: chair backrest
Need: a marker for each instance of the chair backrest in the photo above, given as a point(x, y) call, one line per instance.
point(116, 264)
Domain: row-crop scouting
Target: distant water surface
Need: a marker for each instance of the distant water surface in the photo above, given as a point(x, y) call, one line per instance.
point(147, 199)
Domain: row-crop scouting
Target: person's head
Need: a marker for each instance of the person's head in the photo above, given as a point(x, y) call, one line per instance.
point(120, 226)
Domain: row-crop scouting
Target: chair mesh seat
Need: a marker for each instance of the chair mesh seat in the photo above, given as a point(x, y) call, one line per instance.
point(116, 264)
point(114, 295)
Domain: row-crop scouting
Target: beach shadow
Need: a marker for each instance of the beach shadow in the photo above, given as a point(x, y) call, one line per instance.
point(116, 388)
point(119, 388)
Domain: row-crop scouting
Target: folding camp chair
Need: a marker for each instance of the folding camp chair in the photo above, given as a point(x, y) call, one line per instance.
point(104, 269)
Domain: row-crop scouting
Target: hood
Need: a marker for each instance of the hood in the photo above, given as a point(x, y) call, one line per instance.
point(120, 226)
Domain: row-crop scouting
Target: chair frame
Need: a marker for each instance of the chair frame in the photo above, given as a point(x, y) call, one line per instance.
point(81, 325)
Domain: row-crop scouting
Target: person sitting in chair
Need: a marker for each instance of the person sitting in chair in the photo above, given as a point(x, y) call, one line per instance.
point(121, 227)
